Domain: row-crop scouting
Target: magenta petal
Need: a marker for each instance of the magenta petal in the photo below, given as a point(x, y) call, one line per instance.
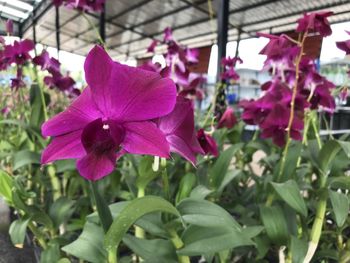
point(143, 96)
point(98, 68)
point(180, 146)
point(127, 93)
point(27, 45)
point(64, 147)
point(145, 138)
point(93, 167)
point(81, 112)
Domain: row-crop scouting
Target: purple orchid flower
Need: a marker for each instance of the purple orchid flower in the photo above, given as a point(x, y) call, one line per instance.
point(344, 45)
point(179, 130)
point(47, 63)
point(168, 34)
point(9, 26)
point(276, 123)
point(228, 119)
point(18, 82)
point(315, 22)
point(111, 117)
point(207, 143)
point(152, 46)
point(19, 51)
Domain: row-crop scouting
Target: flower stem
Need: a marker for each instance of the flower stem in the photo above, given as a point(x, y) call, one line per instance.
point(271, 196)
point(318, 223)
point(112, 256)
point(38, 235)
point(165, 178)
point(102, 208)
point(95, 29)
point(176, 240)
point(139, 232)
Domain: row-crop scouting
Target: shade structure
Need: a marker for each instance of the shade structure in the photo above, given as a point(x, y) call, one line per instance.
point(130, 26)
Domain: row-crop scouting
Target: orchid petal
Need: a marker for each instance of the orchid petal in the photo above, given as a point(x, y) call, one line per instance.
point(64, 147)
point(145, 138)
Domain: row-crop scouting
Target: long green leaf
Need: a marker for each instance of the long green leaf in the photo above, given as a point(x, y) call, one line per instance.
point(290, 193)
point(6, 184)
point(206, 214)
point(131, 213)
point(25, 157)
point(340, 204)
point(17, 231)
point(208, 240)
point(218, 171)
point(275, 223)
point(89, 245)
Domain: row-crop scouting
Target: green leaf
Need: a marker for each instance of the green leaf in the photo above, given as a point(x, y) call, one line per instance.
point(37, 113)
point(327, 155)
point(64, 260)
point(290, 193)
point(345, 146)
point(218, 171)
point(206, 214)
point(146, 173)
point(340, 204)
point(252, 231)
point(156, 250)
point(25, 157)
point(131, 213)
point(342, 182)
point(186, 184)
point(61, 210)
point(200, 192)
point(298, 249)
point(6, 184)
point(65, 165)
point(89, 245)
point(207, 240)
point(51, 253)
point(275, 223)
point(291, 160)
point(17, 231)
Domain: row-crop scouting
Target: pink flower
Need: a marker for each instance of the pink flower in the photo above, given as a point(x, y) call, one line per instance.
point(344, 45)
point(112, 116)
point(168, 34)
point(9, 26)
point(5, 111)
point(207, 143)
point(276, 124)
point(46, 63)
point(19, 51)
point(229, 73)
point(18, 82)
point(228, 119)
point(178, 127)
point(152, 46)
point(315, 22)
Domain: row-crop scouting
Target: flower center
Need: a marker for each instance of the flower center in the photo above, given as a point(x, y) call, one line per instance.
point(102, 137)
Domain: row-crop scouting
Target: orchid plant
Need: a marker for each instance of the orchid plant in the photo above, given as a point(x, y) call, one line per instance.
point(131, 171)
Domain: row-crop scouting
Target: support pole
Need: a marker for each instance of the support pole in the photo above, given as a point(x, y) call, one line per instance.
point(238, 42)
point(103, 24)
point(57, 27)
point(34, 32)
point(223, 15)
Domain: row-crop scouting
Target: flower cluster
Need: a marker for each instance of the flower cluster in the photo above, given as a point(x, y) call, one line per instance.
point(83, 5)
point(344, 46)
point(296, 85)
point(18, 54)
point(229, 73)
point(178, 61)
point(123, 110)
point(56, 79)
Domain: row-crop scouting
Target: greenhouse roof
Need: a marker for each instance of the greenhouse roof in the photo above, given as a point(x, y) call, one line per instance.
point(130, 26)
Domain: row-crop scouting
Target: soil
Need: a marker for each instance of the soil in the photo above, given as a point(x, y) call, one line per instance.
point(10, 254)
